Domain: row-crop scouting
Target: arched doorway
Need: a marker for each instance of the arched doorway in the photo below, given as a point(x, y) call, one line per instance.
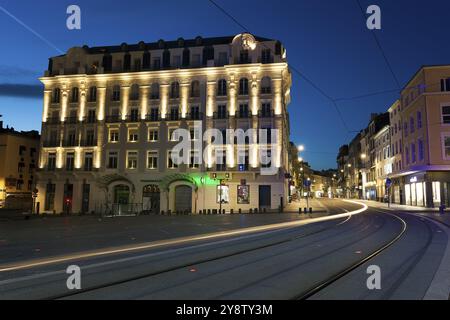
point(151, 199)
point(183, 198)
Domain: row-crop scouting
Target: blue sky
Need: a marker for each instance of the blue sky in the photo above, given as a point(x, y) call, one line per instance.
point(327, 41)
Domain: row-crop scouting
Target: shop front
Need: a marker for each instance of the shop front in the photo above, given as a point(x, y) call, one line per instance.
point(427, 189)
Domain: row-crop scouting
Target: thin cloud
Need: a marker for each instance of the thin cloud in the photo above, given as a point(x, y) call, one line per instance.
point(21, 90)
point(13, 71)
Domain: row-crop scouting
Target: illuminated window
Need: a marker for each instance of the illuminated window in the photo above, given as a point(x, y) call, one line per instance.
point(132, 160)
point(152, 160)
point(133, 135)
point(446, 114)
point(153, 135)
point(223, 194)
point(113, 135)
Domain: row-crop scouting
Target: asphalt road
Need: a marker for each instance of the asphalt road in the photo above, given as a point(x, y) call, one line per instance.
point(327, 259)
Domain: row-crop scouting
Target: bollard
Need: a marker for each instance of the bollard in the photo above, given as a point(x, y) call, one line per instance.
point(209, 211)
point(240, 211)
point(251, 211)
point(310, 210)
point(441, 209)
point(299, 210)
point(305, 211)
point(199, 212)
point(256, 210)
point(223, 211)
point(162, 212)
point(214, 211)
point(264, 210)
point(204, 211)
point(231, 211)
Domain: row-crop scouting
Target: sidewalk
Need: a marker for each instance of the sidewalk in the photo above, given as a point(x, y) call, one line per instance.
point(432, 213)
point(315, 204)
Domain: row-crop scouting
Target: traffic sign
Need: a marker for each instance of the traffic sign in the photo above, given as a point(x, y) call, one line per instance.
point(388, 183)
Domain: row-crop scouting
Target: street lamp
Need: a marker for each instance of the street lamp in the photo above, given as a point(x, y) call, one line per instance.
point(301, 148)
point(300, 159)
point(363, 156)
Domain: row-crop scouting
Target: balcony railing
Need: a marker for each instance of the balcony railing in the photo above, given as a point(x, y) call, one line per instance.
point(243, 115)
point(113, 119)
point(133, 118)
point(266, 114)
point(70, 143)
point(221, 115)
point(153, 117)
point(71, 120)
point(53, 120)
point(50, 143)
point(88, 143)
point(195, 116)
point(173, 116)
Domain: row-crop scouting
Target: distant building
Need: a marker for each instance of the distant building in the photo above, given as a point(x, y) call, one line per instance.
point(18, 160)
point(405, 153)
point(110, 113)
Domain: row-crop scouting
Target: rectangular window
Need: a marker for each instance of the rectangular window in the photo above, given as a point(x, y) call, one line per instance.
point(221, 111)
point(113, 160)
point(152, 160)
point(70, 161)
point(243, 194)
point(173, 135)
point(446, 147)
point(419, 120)
point(411, 125)
point(88, 161)
point(194, 160)
point(413, 152)
point(133, 135)
point(223, 194)
point(113, 135)
point(153, 135)
point(50, 197)
point(420, 147)
point(170, 163)
point(51, 164)
point(446, 114)
point(132, 160)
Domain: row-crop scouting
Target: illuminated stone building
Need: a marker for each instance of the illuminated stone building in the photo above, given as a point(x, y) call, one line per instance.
point(110, 112)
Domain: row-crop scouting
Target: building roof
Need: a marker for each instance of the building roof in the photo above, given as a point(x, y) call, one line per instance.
point(161, 44)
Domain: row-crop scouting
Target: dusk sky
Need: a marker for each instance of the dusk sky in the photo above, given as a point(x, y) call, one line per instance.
point(326, 40)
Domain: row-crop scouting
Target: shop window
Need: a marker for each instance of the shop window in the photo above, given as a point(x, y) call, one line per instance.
point(223, 194)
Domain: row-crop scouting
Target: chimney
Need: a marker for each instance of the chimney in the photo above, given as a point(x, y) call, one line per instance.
point(1, 123)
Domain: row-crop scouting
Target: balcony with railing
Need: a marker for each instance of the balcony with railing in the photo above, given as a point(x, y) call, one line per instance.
point(113, 119)
point(173, 116)
point(89, 142)
point(153, 117)
point(220, 115)
point(53, 120)
point(70, 143)
point(194, 116)
point(133, 118)
point(266, 113)
point(50, 143)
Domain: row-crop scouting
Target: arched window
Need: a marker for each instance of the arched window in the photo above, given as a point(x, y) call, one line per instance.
point(74, 95)
point(116, 93)
point(222, 87)
point(174, 90)
point(154, 91)
point(243, 87)
point(56, 95)
point(134, 92)
point(266, 85)
point(195, 89)
point(92, 94)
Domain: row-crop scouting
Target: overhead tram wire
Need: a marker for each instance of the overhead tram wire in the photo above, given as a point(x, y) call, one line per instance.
point(378, 43)
point(321, 91)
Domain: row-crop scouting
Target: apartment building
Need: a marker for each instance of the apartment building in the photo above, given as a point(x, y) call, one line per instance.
point(383, 161)
point(424, 174)
point(111, 113)
point(18, 160)
point(396, 129)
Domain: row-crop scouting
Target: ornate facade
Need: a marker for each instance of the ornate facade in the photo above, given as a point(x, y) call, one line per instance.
point(110, 113)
